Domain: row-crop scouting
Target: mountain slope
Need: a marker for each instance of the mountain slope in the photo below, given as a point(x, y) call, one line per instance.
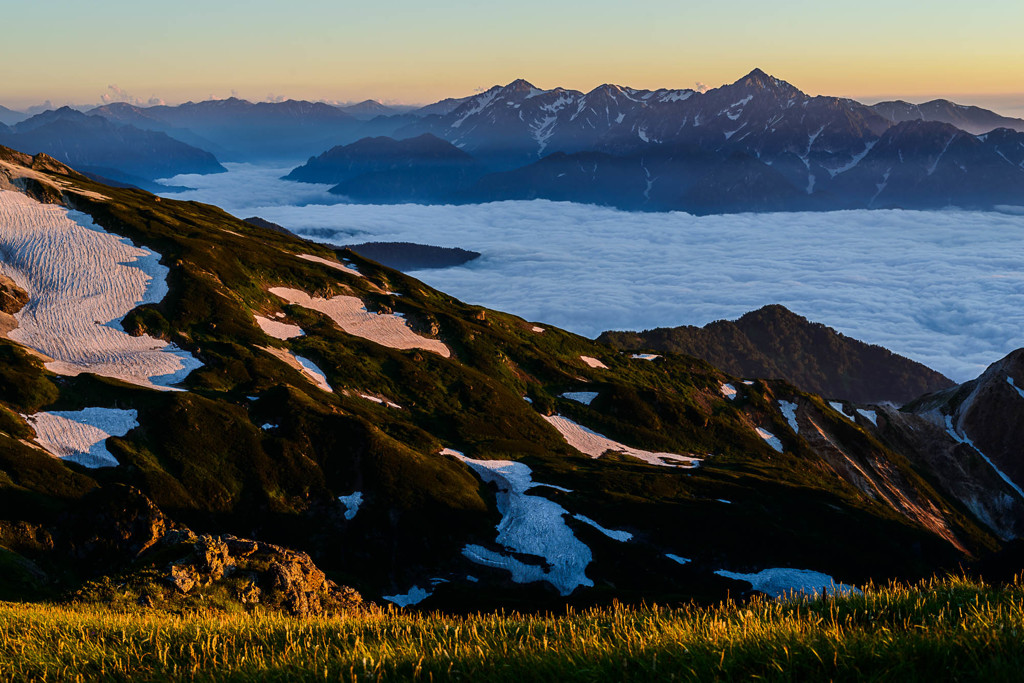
point(9, 117)
point(346, 410)
point(974, 120)
point(239, 130)
point(775, 342)
point(118, 152)
point(380, 169)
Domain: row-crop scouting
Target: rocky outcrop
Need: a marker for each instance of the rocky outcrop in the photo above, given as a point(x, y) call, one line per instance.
point(256, 573)
point(12, 297)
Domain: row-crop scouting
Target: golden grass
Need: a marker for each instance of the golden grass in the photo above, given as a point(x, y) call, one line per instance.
point(942, 629)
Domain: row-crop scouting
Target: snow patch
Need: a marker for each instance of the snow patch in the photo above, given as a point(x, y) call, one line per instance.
point(620, 536)
point(676, 558)
point(352, 502)
point(968, 442)
point(838, 407)
point(530, 525)
point(729, 391)
point(314, 374)
point(593, 362)
point(788, 410)
point(348, 313)
point(80, 436)
point(1009, 380)
point(306, 367)
point(595, 445)
point(870, 415)
point(542, 130)
point(278, 330)
point(769, 438)
point(332, 264)
point(415, 596)
point(645, 356)
point(783, 581)
point(584, 397)
point(382, 401)
point(857, 158)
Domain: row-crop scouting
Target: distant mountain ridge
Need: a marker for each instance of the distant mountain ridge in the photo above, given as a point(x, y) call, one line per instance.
point(378, 169)
point(974, 120)
point(121, 153)
point(773, 342)
point(759, 144)
point(9, 117)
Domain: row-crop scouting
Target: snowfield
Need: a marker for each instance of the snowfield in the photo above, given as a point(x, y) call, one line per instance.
point(530, 525)
point(595, 445)
point(80, 436)
point(348, 313)
point(277, 329)
point(82, 281)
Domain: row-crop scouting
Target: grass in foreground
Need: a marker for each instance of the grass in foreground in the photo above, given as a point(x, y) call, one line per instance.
point(948, 629)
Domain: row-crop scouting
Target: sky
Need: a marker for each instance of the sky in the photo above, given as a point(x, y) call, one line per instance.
point(411, 51)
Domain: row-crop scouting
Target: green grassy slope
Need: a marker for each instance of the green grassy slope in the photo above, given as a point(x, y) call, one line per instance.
point(202, 457)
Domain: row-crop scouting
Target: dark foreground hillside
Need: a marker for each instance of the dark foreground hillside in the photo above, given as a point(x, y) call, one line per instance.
point(934, 631)
point(343, 428)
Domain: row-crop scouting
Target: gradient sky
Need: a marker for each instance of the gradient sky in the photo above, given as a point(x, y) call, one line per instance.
point(414, 51)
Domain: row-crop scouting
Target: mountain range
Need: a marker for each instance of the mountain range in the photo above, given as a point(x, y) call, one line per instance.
point(422, 450)
point(758, 144)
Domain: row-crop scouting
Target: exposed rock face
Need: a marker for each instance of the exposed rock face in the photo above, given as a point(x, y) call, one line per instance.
point(12, 297)
point(981, 421)
point(261, 573)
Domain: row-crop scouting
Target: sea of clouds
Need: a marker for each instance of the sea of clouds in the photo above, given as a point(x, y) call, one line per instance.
point(945, 288)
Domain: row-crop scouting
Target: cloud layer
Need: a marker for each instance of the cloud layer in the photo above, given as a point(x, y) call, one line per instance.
point(944, 288)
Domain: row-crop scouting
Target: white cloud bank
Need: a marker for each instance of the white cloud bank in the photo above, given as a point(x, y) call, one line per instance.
point(943, 287)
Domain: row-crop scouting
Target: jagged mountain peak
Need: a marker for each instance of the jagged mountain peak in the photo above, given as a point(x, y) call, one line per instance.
point(520, 85)
point(759, 80)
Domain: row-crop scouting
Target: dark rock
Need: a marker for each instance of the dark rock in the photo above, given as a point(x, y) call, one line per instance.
point(262, 573)
point(113, 525)
point(12, 297)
